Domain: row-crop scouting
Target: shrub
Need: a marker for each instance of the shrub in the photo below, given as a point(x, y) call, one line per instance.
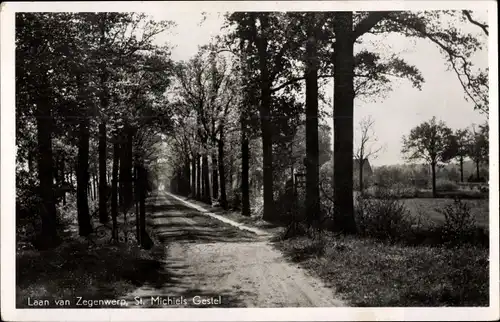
point(404, 191)
point(446, 185)
point(459, 224)
point(289, 205)
point(235, 199)
point(383, 218)
point(326, 195)
point(394, 191)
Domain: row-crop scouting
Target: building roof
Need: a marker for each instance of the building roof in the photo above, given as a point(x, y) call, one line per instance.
point(367, 169)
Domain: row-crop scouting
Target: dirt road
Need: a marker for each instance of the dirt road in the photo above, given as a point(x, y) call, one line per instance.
point(208, 263)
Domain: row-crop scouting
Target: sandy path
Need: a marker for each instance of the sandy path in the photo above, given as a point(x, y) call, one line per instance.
point(207, 258)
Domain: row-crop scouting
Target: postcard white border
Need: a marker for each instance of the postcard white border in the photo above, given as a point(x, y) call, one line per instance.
point(7, 224)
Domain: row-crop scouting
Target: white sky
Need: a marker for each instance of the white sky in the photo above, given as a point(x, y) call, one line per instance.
point(404, 107)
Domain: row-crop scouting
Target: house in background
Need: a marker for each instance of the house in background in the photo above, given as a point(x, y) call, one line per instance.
point(367, 169)
point(327, 170)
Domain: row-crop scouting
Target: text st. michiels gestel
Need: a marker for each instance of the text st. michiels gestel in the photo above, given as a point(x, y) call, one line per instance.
point(179, 300)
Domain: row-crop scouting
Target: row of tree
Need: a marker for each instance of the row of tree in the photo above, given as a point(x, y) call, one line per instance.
point(87, 82)
point(435, 143)
point(271, 56)
point(90, 105)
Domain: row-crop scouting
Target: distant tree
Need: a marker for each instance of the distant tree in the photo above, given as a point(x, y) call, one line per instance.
point(485, 132)
point(428, 141)
point(453, 174)
point(366, 148)
point(478, 146)
point(459, 148)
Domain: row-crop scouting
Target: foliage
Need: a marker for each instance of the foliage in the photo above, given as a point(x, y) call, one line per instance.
point(478, 144)
point(86, 68)
point(446, 185)
point(386, 176)
point(459, 144)
point(383, 218)
point(441, 27)
point(459, 221)
point(429, 141)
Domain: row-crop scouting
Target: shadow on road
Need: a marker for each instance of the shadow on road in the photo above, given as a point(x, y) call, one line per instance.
point(168, 284)
point(108, 273)
point(171, 221)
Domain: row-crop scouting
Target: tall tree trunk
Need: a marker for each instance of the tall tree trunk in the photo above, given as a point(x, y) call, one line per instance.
point(142, 176)
point(126, 169)
point(57, 178)
point(231, 174)
point(267, 156)
point(193, 176)
point(82, 179)
point(180, 183)
point(462, 169)
point(222, 178)
point(361, 164)
point(343, 123)
point(245, 185)
point(137, 197)
point(114, 188)
point(187, 175)
point(90, 193)
point(123, 163)
point(215, 177)
point(478, 177)
point(104, 100)
point(93, 185)
point(206, 179)
point(56, 172)
point(30, 162)
point(292, 168)
point(96, 184)
point(203, 194)
point(264, 113)
point(103, 195)
point(89, 190)
point(433, 169)
point(63, 176)
point(49, 237)
point(198, 178)
point(312, 144)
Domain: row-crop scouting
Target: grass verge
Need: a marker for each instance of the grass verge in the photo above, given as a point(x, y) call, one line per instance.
point(73, 270)
point(369, 273)
point(91, 268)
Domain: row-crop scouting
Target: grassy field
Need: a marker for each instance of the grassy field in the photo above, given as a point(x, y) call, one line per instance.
point(427, 207)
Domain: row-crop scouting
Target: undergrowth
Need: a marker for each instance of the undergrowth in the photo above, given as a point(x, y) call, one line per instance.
point(92, 267)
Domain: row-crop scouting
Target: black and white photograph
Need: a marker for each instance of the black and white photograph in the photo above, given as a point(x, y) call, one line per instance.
point(307, 160)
